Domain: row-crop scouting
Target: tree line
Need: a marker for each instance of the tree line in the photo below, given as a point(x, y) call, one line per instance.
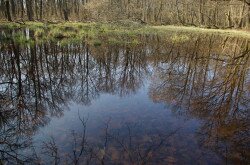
point(206, 13)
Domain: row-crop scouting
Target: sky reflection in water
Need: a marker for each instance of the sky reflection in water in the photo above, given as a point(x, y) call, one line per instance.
point(161, 101)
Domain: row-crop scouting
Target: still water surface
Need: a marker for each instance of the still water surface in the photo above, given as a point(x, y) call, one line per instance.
point(162, 101)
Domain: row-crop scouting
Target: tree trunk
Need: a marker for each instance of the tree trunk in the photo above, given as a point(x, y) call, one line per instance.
point(201, 12)
point(13, 8)
point(41, 10)
point(242, 16)
point(22, 8)
point(65, 13)
point(8, 15)
point(229, 18)
point(30, 10)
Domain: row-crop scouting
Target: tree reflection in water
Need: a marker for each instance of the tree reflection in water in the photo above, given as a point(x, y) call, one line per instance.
point(206, 78)
point(212, 88)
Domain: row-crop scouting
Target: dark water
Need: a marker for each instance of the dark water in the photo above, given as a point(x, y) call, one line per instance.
point(162, 101)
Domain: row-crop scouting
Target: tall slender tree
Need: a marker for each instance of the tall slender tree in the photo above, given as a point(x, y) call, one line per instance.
point(7, 10)
point(30, 11)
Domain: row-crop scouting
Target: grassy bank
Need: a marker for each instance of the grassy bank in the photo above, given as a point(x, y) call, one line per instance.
point(224, 32)
point(73, 32)
point(112, 32)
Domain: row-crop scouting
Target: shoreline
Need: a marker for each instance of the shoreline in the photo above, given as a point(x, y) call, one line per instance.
point(227, 32)
point(93, 30)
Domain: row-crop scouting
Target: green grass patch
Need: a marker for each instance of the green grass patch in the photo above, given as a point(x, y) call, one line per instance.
point(114, 33)
point(179, 38)
point(196, 30)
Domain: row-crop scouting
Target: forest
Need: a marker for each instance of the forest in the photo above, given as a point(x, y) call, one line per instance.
point(217, 14)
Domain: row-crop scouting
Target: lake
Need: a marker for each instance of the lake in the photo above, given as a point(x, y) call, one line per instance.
point(174, 99)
